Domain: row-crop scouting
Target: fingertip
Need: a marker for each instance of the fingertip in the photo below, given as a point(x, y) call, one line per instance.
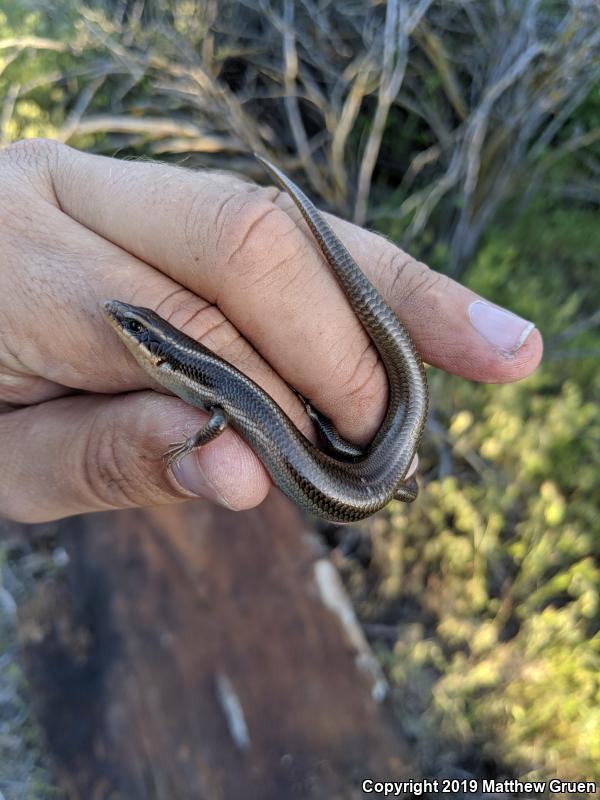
point(527, 358)
point(468, 336)
point(226, 472)
point(497, 366)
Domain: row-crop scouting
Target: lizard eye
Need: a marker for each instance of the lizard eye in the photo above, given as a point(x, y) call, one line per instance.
point(134, 326)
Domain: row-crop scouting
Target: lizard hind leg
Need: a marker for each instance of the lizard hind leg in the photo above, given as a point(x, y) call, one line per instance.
point(330, 439)
point(407, 491)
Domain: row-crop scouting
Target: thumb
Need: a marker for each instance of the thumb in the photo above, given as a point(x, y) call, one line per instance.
point(96, 452)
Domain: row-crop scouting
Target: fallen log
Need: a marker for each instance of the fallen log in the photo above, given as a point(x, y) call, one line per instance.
point(192, 652)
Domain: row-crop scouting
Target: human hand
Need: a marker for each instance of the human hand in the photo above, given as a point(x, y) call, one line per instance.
point(231, 264)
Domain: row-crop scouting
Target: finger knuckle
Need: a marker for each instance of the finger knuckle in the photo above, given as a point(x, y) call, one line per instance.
point(363, 380)
point(405, 272)
point(412, 282)
point(257, 239)
point(365, 387)
point(111, 476)
point(209, 326)
point(33, 156)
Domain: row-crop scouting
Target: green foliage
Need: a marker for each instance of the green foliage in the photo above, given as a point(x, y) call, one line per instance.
point(500, 560)
point(33, 71)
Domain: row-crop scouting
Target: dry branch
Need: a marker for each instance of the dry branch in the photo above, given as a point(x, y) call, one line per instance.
point(489, 90)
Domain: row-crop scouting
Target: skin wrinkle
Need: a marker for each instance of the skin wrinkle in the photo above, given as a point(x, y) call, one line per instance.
point(51, 174)
point(131, 468)
point(220, 226)
point(398, 275)
point(241, 354)
point(142, 292)
point(194, 241)
point(266, 212)
point(31, 354)
point(117, 477)
point(415, 289)
point(22, 389)
point(250, 200)
point(356, 386)
point(89, 437)
point(221, 324)
point(368, 358)
point(13, 387)
point(178, 290)
point(18, 387)
point(371, 405)
point(35, 155)
point(320, 270)
point(53, 161)
point(436, 282)
point(283, 201)
point(16, 224)
point(278, 269)
point(319, 275)
point(107, 464)
point(17, 367)
point(199, 308)
point(157, 289)
point(282, 266)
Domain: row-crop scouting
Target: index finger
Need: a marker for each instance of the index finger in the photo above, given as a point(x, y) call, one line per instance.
point(231, 243)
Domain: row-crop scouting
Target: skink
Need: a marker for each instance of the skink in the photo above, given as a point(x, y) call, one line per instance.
point(340, 482)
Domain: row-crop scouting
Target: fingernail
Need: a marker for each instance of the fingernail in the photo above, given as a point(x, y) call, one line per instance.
point(190, 476)
point(501, 328)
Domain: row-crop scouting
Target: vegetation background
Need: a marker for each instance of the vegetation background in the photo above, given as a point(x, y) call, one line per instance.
point(468, 131)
